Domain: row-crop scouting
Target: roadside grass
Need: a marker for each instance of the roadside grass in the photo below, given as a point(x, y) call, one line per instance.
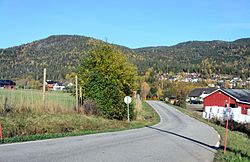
point(19, 127)
point(32, 100)
point(238, 144)
point(146, 117)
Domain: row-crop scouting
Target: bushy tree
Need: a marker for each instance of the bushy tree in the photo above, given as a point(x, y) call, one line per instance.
point(107, 77)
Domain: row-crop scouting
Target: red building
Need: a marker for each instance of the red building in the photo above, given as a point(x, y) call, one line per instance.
point(50, 84)
point(236, 98)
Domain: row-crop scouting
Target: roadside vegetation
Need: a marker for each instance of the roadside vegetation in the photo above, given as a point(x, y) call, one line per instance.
point(238, 143)
point(28, 126)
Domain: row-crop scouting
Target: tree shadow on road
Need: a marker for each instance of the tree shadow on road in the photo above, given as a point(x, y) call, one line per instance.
point(187, 138)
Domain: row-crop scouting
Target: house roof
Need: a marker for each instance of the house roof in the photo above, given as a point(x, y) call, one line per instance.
point(199, 91)
point(51, 82)
point(240, 94)
point(6, 82)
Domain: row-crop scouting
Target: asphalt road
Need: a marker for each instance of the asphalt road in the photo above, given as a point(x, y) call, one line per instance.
point(176, 138)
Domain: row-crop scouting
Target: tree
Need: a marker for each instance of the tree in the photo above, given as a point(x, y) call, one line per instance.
point(180, 90)
point(107, 77)
point(159, 92)
point(145, 89)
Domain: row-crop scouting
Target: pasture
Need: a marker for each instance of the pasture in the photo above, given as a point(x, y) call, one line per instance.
point(32, 100)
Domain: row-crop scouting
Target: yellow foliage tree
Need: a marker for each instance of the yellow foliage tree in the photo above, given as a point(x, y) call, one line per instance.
point(145, 89)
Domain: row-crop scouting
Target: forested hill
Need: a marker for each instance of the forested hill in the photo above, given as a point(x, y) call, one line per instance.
point(59, 54)
point(62, 53)
point(206, 57)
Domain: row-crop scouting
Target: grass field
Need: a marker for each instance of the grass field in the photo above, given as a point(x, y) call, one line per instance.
point(32, 100)
point(238, 144)
point(40, 125)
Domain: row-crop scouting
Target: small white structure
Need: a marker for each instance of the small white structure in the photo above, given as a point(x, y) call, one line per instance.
point(58, 87)
point(221, 113)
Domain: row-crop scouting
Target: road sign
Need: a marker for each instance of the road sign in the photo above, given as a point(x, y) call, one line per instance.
point(127, 100)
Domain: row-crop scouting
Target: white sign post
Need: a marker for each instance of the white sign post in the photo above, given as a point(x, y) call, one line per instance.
point(127, 100)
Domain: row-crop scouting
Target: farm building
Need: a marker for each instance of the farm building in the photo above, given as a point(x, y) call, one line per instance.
point(238, 101)
point(7, 84)
point(197, 94)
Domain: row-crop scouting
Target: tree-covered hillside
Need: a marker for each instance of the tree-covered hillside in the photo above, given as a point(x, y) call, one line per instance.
point(206, 57)
point(61, 54)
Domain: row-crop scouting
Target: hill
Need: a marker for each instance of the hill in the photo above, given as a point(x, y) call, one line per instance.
point(62, 53)
point(59, 54)
point(206, 57)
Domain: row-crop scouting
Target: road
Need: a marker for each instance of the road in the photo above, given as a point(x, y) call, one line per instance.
point(176, 138)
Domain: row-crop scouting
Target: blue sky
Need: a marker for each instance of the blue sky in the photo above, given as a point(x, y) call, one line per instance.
point(132, 23)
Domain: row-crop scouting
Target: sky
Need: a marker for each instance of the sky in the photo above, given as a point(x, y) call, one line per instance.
point(132, 23)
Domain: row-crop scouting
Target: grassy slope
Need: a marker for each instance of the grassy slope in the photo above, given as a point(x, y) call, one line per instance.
point(238, 144)
point(35, 126)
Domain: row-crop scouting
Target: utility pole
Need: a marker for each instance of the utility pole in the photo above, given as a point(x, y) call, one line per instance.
point(76, 93)
point(44, 83)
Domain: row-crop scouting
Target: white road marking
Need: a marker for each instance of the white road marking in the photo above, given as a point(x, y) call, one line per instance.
point(19, 143)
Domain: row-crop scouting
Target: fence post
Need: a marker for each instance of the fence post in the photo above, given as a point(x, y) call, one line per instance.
point(77, 108)
point(228, 114)
point(1, 134)
point(44, 83)
point(81, 97)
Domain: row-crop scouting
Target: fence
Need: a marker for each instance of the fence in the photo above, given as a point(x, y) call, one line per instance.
point(221, 113)
point(32, 100)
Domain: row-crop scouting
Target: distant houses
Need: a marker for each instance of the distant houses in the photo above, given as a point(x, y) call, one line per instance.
point(216, 80)
point(7, 84)
point(55, 86)
point(50, 85)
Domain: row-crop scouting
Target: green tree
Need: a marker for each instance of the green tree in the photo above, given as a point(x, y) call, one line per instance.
point(107, 77)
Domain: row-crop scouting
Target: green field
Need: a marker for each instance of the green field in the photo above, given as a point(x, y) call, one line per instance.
point(32, 100)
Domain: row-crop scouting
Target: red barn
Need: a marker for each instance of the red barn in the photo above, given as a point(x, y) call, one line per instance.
point(236, 98)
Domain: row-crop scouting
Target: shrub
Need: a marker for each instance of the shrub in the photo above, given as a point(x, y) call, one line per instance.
point(234, 126)
point(91, 108)
point(106, 77)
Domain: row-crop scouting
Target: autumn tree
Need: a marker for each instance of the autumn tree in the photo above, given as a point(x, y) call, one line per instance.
point(106, 77)
point(180, 90)
point(159, 92)
point(206, 68)
point(145, 89)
